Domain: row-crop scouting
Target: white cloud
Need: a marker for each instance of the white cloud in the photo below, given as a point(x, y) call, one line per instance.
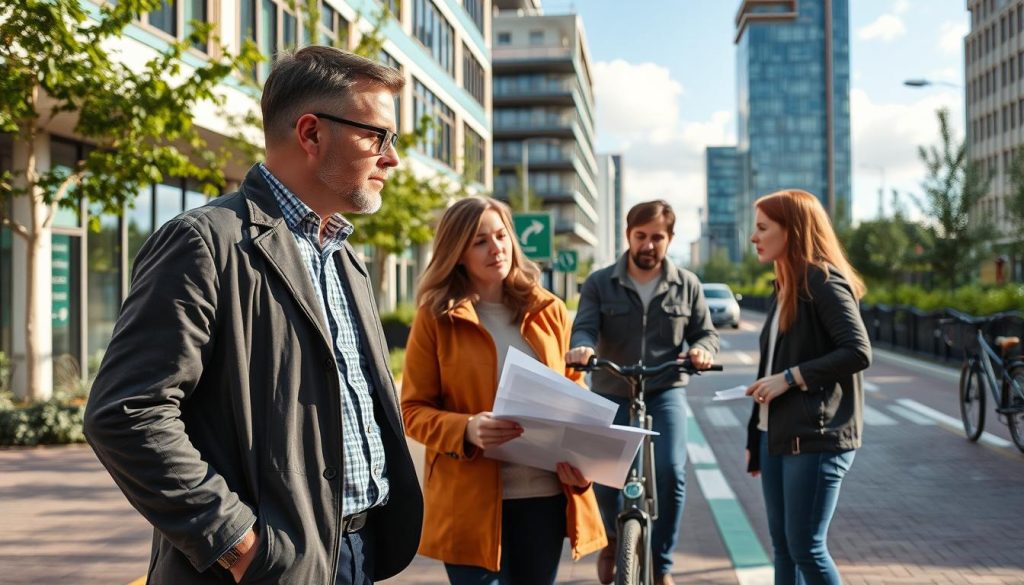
point(885, 140)
point(663, 155)
point(636, 101)
point(901, 7)
point(886, 27)
point(951, 36)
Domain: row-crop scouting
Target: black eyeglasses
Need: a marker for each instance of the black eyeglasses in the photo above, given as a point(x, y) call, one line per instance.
point(387, 137)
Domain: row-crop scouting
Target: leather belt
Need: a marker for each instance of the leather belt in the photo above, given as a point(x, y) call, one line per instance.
point(353, 523)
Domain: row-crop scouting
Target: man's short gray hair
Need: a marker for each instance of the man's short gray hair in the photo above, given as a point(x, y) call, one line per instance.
point(313, 75)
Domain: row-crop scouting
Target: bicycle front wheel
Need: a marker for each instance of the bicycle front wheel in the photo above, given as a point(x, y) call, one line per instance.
point(628, 568)
point(1015, 420)
point(972, 400)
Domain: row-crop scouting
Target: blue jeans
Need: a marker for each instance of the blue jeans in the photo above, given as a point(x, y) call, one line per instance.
point(800, 496)
point(532, 534)
point(355, 561)
point(668, 409)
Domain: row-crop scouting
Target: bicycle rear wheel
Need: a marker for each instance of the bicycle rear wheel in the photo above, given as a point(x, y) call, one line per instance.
point(1015, 420)
point(628, 565)
point(972, 400)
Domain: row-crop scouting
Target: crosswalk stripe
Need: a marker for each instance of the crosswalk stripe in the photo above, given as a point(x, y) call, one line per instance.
point(743, 357)
point(911, 415)
point(721, 416)
point(870, 386)
point(876, 417)
point(949, 421)
point(725, 343)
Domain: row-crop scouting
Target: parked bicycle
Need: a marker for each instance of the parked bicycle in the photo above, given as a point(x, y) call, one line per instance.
point(1000, 370)
point(633, 558)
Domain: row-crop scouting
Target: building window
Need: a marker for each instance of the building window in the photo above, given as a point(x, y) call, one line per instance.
point(504, 38)
point(474, 155)
point(437, 143)
point(386, 59)
point(536, 37)
point(431, 28)
point(475, 9)
point(333, 28)
point(473, 77)
point(178, 23)
point(165, 18)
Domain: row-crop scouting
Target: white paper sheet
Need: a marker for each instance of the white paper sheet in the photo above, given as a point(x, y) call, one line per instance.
point(734, 393)
point(561, 422)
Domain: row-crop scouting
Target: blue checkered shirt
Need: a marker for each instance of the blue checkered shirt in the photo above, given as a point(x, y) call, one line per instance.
point(365, 480)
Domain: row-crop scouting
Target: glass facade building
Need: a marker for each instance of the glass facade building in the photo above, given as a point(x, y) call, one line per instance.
point(793, 77)
point(723, 189)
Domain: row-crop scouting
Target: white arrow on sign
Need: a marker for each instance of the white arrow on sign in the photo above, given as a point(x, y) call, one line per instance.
point(535, 227)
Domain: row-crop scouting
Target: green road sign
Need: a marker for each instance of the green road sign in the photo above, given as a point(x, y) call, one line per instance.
point(566, 261)
point(533, 230)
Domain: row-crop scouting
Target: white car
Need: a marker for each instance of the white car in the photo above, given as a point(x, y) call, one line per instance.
point(725, 310)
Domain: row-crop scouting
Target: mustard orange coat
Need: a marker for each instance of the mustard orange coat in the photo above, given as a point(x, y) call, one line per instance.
point(450, 374)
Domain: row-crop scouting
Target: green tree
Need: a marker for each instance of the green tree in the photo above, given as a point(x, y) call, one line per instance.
point(887, 250)
point(952, 189)
point(55, 60)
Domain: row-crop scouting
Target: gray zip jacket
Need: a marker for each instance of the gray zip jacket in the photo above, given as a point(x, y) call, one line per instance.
point(218, 403)
point(611, 319)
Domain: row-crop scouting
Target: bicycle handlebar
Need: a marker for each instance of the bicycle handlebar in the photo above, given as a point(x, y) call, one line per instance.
point(638, 370)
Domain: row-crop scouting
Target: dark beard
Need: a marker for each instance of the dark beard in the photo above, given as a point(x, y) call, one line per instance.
point(644, 261)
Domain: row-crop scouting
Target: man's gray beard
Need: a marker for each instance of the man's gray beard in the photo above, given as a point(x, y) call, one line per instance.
point(364, 201)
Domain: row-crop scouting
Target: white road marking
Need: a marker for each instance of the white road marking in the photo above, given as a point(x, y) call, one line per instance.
point(876, 417)
point(756, 576)
point(951, 422)
point(699, 453)
point(949, 373)
point(870, 386)
point(724, 343)
point(721, 416)
point(745, 326)
point(714, 486)
point(891, 379)
point(912, 416)
point(743, 357)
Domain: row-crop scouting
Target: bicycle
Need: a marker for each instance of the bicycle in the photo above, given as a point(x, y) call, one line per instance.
point(633, 558)
point(979, 369)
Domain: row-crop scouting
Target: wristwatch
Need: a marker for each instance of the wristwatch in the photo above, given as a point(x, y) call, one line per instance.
point(790, 380)
point(232, 555)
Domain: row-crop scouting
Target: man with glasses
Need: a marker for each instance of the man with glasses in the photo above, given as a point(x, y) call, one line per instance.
point(245, 405)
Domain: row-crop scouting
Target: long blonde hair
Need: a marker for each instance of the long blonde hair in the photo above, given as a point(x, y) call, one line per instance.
point(810, 241)
point(445, 283)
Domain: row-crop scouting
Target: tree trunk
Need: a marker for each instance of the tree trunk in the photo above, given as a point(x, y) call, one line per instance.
point(33, 392)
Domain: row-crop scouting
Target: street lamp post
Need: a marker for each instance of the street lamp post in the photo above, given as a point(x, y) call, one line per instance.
point(928, 82)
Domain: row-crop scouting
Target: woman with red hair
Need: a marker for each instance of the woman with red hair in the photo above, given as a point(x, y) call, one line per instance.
point(807, 418)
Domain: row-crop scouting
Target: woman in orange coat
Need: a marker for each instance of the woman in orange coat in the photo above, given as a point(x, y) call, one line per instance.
point(492, 523)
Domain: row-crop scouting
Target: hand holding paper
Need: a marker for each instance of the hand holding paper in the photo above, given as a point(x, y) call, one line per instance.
point(734, 393)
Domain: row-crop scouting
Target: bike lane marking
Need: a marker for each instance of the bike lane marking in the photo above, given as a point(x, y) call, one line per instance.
point(749, 559)
point(949, 422)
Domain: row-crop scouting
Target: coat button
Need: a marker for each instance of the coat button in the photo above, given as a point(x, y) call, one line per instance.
point(330, 473)
point(328, 364)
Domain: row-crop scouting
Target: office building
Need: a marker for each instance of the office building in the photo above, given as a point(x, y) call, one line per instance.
point(441, 46)
point(611, 238)
point(724, 181)
point(793, 85)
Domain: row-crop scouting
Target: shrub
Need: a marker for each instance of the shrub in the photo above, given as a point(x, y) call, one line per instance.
point(402, 315)
point(54, 421)
point(397, 360)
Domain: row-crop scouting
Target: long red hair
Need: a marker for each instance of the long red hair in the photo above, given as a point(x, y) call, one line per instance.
point(810, 241)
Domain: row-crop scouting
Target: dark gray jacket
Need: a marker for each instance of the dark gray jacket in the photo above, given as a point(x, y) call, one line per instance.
point(611, 319)
point(830, 345)
point(218, 402)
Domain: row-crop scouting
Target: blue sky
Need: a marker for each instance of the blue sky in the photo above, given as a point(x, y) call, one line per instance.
point(664, 75)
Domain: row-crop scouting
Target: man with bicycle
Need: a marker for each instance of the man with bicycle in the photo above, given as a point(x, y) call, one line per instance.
point(645, 307)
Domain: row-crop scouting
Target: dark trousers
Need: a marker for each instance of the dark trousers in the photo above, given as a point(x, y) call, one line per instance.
point(532, 534)
point(355, 558)
point(800, 495)
point(668, 409)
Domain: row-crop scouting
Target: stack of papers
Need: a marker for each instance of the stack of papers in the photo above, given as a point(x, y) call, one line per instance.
point(561, 422)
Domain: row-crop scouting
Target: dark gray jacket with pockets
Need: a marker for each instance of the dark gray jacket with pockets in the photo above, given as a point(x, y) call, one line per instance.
point(218, 402)
point(611, 319)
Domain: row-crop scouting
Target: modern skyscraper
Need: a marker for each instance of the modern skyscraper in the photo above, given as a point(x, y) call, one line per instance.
point(724, 182)
point(544, 99)
point(994, 69)
point(793, 78)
